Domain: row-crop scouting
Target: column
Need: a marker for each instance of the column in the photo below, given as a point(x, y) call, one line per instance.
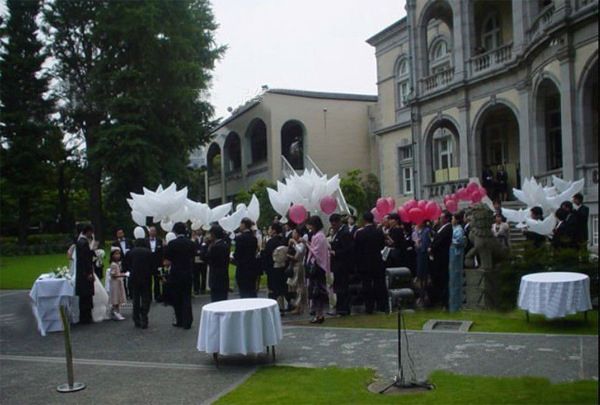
point(223, 179)
point(519, 17)
point(418, 154)
point(414, 39)
point(567, 104)
point(457, 41)
point(525, 133)
point(463, 139)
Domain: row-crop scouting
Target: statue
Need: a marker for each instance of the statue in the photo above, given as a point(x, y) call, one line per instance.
point(485, 245)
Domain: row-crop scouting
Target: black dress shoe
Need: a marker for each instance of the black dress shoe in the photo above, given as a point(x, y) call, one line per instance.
point(177, 325)
point(187, 327)
point(137, 324)
point(144, 326)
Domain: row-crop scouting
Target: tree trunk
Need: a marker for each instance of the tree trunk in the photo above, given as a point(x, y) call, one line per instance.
point(63, 200)
point(95, 202)
point(23, 220)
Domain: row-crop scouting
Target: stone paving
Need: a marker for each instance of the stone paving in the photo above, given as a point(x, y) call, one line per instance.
point(161, 365)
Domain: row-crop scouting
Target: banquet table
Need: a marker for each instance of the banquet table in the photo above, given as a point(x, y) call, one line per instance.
point(47, 295)
point(240, 326)
point(555, 294)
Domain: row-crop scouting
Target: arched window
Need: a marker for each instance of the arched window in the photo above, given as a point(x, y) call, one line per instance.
point(403, 82)
point(444, 155)
point(491, 33)
point(439, 55)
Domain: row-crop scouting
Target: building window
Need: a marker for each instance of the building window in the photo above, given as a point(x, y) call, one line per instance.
point(491, 37)
point(403, 82)
point(405, 160)
point(444, 153)
point(439, 55)
point(553, 132)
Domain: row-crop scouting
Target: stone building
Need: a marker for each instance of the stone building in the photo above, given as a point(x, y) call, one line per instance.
point(284, 130)
point(469, 84)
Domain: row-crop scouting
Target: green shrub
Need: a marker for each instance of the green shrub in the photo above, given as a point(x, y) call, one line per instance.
point(37, 244)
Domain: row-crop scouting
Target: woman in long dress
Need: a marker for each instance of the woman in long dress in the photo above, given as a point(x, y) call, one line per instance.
point(457, 249)
point(117, 289)
point(296, 283)
point(319, 261)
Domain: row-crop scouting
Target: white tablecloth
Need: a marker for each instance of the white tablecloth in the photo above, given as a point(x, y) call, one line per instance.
point(239, 326)
point(555, 294)
point(48, 294)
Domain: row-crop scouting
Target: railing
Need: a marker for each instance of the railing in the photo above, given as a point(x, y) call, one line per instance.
point(436, 80)
point(439, 190)
point(491, 59)
point(589, 172)
point(545, 179)
point(257, 167)
point(543, 19)
point(579, 4)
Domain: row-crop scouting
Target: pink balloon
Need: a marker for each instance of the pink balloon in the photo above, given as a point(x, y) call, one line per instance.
point(431, 210)
point(422, 204)
point(410, 204)
point(403, 213)
point(328, 204)
point(476, 196)
point(483, 191)
point(391, 204)
point(472, 187)
point(438, 213)
point(382, 206)
point(462, 194)
point(417, 215)
point(452, 206)
point(377, 215)
point(297, 213)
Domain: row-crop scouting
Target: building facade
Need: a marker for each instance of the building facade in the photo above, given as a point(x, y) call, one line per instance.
point(288, 130)
point(465, 85)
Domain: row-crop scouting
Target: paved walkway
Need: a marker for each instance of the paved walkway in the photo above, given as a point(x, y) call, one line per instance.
point(161, 365)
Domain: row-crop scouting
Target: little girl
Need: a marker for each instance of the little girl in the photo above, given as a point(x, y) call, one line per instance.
point(117, 289)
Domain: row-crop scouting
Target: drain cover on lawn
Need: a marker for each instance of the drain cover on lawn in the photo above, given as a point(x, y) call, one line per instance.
point(446, 325)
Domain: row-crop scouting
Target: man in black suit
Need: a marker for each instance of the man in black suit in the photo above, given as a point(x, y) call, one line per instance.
point(142, 265)
point(199, 273)
point(244, 257)
point(581, 213)
point(155, 244)
point(84, 281)
point(125, 246)
point(342, 262)
point(369, 241)
point(440, 251)
point(180, 253)
point(276, 239)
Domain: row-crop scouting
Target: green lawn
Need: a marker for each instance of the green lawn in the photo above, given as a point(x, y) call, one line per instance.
point(483, 321)
point(19, 272)
point(291, 385)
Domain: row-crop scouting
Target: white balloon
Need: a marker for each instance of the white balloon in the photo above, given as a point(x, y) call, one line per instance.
point(254, 209)
point(138, 218)
point(219, 212)
point(170, 236)
point(166, 226)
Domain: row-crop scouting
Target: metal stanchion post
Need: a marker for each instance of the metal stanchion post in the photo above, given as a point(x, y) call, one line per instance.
point(71, 385)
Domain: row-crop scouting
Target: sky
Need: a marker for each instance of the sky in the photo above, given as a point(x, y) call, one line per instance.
point(298, 44)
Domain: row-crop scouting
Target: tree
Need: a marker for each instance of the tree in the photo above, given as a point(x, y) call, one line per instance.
point(154, 65)
point(267, 213)
point(25, 110)
point(361, 193)
point(70, 27)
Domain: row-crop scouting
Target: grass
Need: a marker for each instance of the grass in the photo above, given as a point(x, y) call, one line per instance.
point(292, 385)
point(19, 272)
point(483, 321)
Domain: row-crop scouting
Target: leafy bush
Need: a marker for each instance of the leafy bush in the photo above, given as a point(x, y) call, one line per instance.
point(502, 285)
point(39, 244)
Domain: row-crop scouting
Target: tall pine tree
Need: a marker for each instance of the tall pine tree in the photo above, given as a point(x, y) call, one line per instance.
point(24, 114)
point(70, 27)
point(156, 60)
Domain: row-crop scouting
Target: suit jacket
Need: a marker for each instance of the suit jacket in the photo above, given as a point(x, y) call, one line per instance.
point(369, 242)
point(581, 216)
point(440, 246)
point(267, 253)
point(141, 264)
point(342, 244)
point(217, 258)
point(180, 252)
point(84, 268)
point(158, 254)
point(246, 245)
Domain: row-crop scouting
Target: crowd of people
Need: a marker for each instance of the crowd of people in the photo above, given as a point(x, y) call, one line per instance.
point(306, 267)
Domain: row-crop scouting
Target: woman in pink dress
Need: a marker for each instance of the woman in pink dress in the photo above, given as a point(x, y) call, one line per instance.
point(117, 289)
point(318, 268)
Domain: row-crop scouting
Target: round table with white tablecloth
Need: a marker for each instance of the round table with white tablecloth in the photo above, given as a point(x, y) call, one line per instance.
point(555, 294)
point(47, 295)
point(239, 326)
